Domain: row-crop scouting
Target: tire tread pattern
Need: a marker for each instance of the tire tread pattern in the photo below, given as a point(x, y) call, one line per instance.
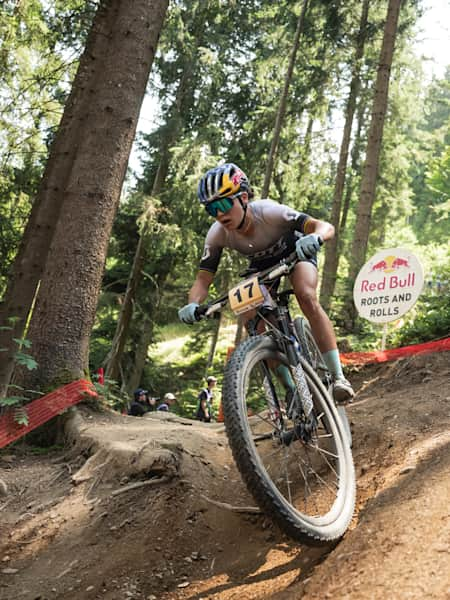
point(257, 483)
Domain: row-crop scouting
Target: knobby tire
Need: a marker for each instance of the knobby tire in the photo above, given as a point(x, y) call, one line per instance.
point(307, 488)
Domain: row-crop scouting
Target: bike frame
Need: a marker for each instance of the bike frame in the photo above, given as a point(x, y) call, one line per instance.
point(281, 328)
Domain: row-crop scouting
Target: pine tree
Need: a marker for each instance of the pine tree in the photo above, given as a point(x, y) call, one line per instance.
point(87, 166)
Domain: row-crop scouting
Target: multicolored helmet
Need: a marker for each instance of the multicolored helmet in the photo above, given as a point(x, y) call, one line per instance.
point(222, 182)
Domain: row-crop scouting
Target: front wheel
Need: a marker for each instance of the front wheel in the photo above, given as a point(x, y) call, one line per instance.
point(304, 481)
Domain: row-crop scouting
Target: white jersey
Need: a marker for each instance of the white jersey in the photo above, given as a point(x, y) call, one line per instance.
point(276, 229)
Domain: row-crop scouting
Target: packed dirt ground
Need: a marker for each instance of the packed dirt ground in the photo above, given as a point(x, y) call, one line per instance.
point(154, 509)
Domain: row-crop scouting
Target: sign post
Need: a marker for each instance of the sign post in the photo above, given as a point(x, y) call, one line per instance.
point(387, 286)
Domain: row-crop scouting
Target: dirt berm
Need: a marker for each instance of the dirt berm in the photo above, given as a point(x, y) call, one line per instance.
point(154, 509)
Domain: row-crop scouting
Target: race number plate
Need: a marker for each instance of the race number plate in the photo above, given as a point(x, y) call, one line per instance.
point(245, 296)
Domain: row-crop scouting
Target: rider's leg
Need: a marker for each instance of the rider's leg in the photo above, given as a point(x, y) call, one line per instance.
point(304, 281)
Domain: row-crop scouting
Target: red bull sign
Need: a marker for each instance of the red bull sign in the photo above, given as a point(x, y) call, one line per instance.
point(388, 285)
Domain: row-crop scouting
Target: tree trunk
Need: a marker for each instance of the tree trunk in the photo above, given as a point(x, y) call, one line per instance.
point(283, 102)
point(332, 246)
point(123, 325)
point(175, 123)
point(305, 156)
point(140, 355)
point(369, 177)
point(106, 119)
point(214, 340)
point(355, 164)
point(147, 327)
point(126, 312)
point(34, 247)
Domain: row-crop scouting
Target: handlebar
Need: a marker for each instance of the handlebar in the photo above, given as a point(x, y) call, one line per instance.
point(284, 267)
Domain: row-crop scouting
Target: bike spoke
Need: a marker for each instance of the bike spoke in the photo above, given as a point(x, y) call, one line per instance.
point(307, 489)
point(323, 451)
point(288, 460)
point(325, 483)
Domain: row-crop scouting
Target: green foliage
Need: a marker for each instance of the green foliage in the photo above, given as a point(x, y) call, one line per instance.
point(22, 358)
point(431, 322)
point(429, 169)
point(178, 363)
point(438, 182)
point(39, 46)
point(18, 400)
point(430, 317)
point(110, 394)
point(218, 77)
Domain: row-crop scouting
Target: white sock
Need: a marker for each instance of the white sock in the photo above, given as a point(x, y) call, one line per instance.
point(333, 363)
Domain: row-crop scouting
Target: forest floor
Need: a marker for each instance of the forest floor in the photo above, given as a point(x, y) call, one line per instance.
point(73, 527)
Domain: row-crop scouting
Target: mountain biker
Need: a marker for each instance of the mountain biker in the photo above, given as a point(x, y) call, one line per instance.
point(265, 231)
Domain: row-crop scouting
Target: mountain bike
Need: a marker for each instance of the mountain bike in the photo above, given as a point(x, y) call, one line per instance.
point(287, 438)
point(313, 356)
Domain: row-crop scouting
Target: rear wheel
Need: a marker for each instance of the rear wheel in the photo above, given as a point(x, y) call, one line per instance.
point(310, 350)
point(305, 482)
point(314, 357)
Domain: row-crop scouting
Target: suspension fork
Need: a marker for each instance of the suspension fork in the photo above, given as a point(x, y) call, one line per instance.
point(271, 395)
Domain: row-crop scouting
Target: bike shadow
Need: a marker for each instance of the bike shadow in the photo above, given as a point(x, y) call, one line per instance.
point(261, 577)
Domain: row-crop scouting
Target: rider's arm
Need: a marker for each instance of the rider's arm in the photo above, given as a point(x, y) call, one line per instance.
point(199, 290)
point(322, 228)
point(279, 214)
point(209, 263)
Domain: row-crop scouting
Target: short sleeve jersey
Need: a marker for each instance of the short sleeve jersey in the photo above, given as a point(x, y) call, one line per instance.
point(277, 228)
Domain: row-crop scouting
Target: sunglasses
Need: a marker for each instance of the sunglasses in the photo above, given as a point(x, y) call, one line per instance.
point(222, 204)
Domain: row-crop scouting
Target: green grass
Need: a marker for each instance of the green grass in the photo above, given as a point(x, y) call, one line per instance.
point(174, 337)
point(178, 363)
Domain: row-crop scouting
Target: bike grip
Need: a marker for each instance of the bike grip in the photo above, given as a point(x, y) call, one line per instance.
point(200, 312)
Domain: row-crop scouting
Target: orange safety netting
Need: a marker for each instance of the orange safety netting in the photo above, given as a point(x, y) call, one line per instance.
point(43, 409)
point(378, 356)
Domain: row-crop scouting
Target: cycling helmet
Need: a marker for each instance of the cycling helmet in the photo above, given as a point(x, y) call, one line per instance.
point(222, 182)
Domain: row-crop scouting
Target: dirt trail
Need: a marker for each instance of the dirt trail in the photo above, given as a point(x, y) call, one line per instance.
point(75, 527)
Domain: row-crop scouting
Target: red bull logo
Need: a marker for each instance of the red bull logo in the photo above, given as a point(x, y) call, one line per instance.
point(237, 176)
point(380, 266)
point(390, 264)
point(388, 285)
point(400, 262)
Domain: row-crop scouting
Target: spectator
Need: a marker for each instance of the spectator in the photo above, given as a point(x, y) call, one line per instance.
point(168, 400)
point(139, 406)
point(205, 400)
point(151, 402)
